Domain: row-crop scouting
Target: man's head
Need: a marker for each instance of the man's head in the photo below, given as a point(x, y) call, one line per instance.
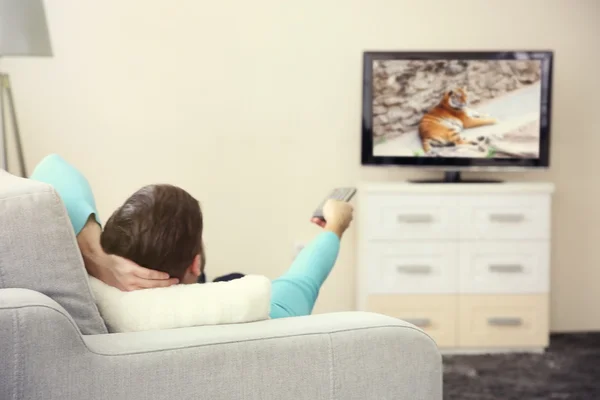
point(159, 227)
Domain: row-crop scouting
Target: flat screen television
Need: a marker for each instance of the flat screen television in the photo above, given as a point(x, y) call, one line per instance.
point(457, 110)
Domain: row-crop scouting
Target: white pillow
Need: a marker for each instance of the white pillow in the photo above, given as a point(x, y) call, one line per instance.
point(242, 300)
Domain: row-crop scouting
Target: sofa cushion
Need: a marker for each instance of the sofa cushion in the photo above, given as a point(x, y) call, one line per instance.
point(179, 306)
point(38, 249)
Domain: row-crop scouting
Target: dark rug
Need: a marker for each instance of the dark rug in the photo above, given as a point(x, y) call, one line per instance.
point(569, 369)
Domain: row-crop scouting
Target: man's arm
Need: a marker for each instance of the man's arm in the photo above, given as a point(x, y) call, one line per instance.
point(295, 293)
point(76, 193)
point(88, 240)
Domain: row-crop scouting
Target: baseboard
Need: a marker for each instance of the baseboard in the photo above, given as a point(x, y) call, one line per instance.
point(499, 350)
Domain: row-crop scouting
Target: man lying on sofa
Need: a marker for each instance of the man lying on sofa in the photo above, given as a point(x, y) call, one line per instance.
point(160, 227)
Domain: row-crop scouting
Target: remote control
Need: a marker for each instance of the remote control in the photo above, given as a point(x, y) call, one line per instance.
point(342, 194)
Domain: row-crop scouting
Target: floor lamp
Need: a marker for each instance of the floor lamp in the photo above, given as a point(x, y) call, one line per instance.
point(23, 33)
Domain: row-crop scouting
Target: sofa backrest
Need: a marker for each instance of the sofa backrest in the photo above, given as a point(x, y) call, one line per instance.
point(38, 249)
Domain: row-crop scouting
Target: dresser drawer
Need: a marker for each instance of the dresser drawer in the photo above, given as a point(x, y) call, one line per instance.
point(505, 217)
point(436, 315)
point(398, 217)
point(412, 267)
point(504, 267)
point(503, 321)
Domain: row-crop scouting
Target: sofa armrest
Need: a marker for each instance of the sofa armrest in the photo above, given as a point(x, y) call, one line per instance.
point(329, 356)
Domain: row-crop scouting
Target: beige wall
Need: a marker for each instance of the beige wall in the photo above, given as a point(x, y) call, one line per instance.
point(254, 107)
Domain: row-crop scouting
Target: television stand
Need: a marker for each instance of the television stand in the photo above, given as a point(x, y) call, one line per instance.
point(485, 287)
point(455, 177)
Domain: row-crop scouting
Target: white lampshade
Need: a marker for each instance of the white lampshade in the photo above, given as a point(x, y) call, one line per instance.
point(23, 29)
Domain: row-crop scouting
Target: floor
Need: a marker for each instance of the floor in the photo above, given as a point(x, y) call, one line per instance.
point(569, 369)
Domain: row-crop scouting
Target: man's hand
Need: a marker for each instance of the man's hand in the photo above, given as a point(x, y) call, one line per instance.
point(127, 275)
point(318, 221)
point(113, 270)
point(338, 216)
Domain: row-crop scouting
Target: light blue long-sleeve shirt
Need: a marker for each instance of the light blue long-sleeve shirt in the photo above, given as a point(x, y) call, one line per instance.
point(293, 294)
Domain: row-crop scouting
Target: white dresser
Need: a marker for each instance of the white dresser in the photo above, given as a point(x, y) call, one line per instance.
point(468, 263)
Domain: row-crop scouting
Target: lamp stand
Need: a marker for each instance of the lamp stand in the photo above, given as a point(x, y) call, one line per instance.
point(6, 92)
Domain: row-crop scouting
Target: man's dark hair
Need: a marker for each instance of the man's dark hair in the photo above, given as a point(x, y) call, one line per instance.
point(158, 227)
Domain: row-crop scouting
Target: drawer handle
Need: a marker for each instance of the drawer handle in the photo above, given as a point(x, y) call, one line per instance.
point(420, 322)
point(506, 268)
point(505, 321)
point(415, 218)
point(507, 218)
point(414, 269)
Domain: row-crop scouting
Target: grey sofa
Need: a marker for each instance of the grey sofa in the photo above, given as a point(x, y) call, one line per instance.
point(54, 345)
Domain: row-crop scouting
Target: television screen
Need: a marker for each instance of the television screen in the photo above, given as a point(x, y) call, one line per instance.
point(457, 109)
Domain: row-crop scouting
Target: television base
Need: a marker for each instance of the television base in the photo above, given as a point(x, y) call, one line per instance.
point(455, 177)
